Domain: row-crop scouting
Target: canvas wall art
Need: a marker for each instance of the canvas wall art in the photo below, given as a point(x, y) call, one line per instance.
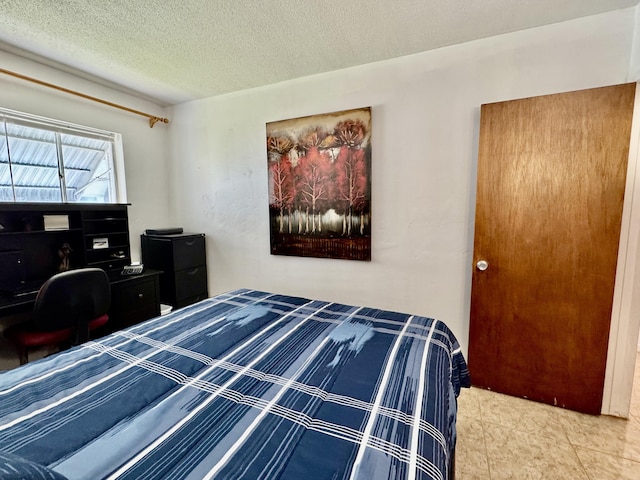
point(320, 185)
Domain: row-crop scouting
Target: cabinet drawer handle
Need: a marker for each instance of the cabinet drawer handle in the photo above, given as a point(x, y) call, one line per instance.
point(189, 243)
point(194, 271)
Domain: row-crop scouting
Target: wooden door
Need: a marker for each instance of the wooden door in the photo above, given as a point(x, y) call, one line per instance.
point(551, 177)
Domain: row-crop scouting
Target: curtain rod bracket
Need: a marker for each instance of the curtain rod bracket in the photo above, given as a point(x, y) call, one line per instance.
point(154, 120)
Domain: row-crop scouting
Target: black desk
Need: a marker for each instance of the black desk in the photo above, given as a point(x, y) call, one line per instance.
point(134, 298)
point(10, 304)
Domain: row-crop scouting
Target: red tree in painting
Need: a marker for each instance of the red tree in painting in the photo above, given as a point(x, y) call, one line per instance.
point(351, 172)
point(281, 188)
point(313, 174)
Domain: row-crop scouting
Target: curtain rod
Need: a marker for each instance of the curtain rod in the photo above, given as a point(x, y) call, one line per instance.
point(152, 118)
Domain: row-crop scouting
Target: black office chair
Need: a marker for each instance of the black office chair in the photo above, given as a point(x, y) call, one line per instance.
point(68, 307)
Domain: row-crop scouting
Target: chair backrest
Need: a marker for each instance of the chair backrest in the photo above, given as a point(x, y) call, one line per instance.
point(72, 299)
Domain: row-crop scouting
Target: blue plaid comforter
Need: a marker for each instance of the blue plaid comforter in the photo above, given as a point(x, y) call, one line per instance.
point(245, 385)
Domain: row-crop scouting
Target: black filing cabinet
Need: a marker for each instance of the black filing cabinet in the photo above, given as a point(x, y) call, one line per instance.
point(182, 259)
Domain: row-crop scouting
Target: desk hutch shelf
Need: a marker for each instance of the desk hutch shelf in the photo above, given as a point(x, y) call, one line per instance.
point(36, 237)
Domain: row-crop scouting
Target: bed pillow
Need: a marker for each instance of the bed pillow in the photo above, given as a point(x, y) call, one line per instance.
point(13, 467)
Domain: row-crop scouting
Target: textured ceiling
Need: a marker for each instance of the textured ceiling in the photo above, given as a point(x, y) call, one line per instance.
point(174, 51)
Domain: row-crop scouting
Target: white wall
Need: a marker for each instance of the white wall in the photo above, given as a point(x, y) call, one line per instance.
point(145, 149)
point(425, 112)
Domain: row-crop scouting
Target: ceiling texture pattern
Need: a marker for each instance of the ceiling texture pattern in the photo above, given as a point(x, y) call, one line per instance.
point(175, 51)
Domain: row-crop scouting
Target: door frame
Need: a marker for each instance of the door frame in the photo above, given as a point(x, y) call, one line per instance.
point(625, 314)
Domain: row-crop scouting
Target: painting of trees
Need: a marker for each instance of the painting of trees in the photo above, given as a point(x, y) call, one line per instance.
point(320, 185)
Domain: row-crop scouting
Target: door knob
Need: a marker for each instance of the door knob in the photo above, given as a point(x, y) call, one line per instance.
point(482, 265)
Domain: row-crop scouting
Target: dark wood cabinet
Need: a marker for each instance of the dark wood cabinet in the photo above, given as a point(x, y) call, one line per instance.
point(182, 259)
point(33, 235)
point(35, 239)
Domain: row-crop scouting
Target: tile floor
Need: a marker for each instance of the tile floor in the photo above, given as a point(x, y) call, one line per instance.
point(502, 437)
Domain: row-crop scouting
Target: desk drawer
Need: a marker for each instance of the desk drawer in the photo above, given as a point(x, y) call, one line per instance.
point(133, 301)
point(137, 295)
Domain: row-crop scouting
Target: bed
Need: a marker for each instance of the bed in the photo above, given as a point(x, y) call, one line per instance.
point(244, 385)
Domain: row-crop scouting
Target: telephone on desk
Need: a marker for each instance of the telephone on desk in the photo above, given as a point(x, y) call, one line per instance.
point(134, 269)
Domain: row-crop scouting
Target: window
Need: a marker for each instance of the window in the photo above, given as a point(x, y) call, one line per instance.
point(44, 160)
